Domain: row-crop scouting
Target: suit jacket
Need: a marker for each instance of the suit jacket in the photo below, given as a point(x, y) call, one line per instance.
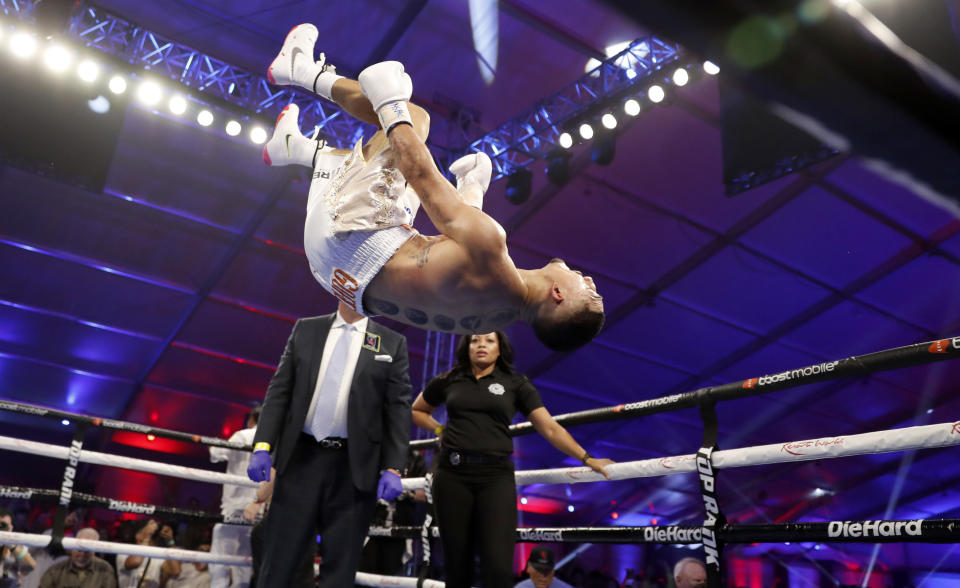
point(378, 410)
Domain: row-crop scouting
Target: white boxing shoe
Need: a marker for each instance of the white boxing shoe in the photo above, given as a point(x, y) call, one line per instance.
point(295, 65)
point(287, 145)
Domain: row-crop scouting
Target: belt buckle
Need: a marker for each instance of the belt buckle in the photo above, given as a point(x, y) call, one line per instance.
point(455, 458)
point(331, 444)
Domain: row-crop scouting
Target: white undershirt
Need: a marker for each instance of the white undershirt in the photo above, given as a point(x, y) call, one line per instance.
point(337, 330)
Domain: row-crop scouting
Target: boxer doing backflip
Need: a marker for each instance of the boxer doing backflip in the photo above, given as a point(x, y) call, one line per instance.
point(362, 203)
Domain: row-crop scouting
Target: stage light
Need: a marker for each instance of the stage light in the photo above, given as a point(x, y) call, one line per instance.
point(631, 73)
point(88, 71)
point(586, 131)
point(100, 104)
point(519, 186)
point(603, 150)
point(65, 423)
point(150, 437)
point(566, 140)
point(118, 85)
point(149, 93)
point(523, 500)
point(258, 135)
point(929, 411)
point(570, 508)
point(23, 45)
point(205, 118)
point(177, 104)
point(614, 516)
point(680, 77)
point(631, 107)
point(609, 121)
point(710, 68)
point(233, 128)
point(655, 93)
point(57, 58)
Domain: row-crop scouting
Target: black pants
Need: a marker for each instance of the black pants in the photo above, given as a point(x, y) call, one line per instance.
point(315, 493)
point(476, 508)
point(303, 576)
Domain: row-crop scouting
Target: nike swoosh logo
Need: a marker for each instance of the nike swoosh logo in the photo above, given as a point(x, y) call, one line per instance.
point(287, 140)
point(293, 58)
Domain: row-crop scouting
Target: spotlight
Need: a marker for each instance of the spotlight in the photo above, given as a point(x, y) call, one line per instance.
point(614, 516)
point(177, 104)
point(681, 77)
point(566, 141)
point(23, 45)
point(711, 68)
point(631, 107)
point(655, 93)
point(929, 411)
point(558, 167)
point(258, 135)
point(205, 118)
point(65, 423)
point(149, 93)
point(233, 128)
point(609, 121)
point(603, 150)
point(57, 58)
point(150, 437)
point(88, 71)
point(586, 131)
point(570, 508)
point(523, 500)
point(118, 85)
point(100, 104)
point(519, 184)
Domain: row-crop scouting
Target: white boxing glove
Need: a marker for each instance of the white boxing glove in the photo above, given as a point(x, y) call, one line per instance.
point(389, 90)
point(473, 177)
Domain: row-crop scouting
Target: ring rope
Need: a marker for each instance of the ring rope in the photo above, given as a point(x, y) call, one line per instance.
point(82, 499)
point(905, 439)
point(129, 463)
point(34, 540)
point(857, 365)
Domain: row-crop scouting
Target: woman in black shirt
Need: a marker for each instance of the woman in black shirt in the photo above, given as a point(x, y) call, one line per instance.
point(474, 490)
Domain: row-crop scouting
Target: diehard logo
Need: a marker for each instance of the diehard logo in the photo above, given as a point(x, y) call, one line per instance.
point(671, 535)
point(14, 493)
point(956, 428)
point(875, 528)
point(345, 287)
point(797, 447)
point(497, 389)
point(541, 536)
point(131, 507)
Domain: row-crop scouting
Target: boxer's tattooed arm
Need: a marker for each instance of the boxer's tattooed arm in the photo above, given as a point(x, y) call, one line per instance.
point(382, 306)
point(422, 256)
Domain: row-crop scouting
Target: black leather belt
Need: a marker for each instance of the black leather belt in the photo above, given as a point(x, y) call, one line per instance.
point(333, 443)
point(458, 458)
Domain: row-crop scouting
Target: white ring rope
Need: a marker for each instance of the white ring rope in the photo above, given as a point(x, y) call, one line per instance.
point(905, 439)
point(129, 463)
point(31, 540)
point(365, 579)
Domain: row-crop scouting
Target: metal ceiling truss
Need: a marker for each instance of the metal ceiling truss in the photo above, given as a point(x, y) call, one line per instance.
point(514, 144)
point(519, 142)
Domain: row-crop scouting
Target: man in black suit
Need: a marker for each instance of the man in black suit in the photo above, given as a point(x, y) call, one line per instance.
point(337, 419)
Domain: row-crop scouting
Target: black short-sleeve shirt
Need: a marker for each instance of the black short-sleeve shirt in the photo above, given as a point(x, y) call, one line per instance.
point(479, 411)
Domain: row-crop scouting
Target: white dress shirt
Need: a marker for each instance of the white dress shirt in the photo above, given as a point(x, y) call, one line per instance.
point(235, 498)
point(339, 328)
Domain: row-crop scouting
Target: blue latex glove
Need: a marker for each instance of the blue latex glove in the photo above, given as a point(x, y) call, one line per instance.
point(258, 469)
point(389, 486)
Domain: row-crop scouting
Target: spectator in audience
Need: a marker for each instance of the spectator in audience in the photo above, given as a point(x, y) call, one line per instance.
point(690, 573)
point(189, 574)
point(135, 571)
point(82, 569)
point(15, 560)
point(541, 571)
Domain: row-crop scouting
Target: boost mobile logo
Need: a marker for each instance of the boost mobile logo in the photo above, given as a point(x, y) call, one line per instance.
point(541, 536)
point(944, 345)
point(875, 528)
point(812, 370)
